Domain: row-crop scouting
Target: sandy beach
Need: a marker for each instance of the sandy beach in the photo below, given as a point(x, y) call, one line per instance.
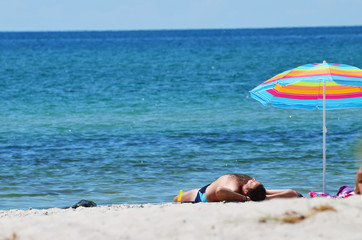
point(317, 218)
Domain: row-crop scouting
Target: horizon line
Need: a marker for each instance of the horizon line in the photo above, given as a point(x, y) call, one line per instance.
point(180, 29)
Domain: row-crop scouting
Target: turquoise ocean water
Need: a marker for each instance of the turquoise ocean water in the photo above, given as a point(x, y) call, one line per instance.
point(135, 116)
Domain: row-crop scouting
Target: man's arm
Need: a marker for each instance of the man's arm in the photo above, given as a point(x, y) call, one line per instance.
point(279, 193)
point(226, 194)
point(358, 187)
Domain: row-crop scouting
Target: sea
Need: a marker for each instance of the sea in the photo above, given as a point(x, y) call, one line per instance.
point(133, 117)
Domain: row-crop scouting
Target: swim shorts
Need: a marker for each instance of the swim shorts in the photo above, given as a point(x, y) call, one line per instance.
point(201, 197)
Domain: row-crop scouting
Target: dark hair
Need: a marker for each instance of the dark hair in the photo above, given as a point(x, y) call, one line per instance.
point(258, 193)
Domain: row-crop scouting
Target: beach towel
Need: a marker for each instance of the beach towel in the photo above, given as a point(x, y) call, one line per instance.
point(344, 191)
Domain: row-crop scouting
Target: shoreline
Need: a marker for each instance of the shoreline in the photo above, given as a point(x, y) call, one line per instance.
point(318, 218)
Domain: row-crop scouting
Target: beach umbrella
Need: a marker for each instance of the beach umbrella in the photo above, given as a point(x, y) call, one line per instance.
point(314, 86)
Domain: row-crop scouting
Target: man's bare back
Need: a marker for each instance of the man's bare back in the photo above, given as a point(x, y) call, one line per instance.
point(234, 182)
point(229, 187)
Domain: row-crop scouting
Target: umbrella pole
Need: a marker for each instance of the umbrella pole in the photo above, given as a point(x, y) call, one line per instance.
point(324, 136)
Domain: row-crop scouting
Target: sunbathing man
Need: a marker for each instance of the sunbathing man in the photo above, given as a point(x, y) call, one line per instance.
point(358, 187)
point(234, 188)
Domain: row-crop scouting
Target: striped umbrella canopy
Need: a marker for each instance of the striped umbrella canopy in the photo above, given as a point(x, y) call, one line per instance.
point(314, 86)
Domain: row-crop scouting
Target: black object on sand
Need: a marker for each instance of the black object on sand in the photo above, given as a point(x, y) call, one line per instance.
point(84, 203)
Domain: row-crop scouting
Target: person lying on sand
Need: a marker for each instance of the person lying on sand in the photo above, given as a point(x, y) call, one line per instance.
point(358, 187)
point(234, 188)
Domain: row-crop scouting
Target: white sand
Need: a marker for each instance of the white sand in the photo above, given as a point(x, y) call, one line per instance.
point(190, 221)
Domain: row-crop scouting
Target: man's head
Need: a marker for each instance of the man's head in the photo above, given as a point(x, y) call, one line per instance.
point(255, 190)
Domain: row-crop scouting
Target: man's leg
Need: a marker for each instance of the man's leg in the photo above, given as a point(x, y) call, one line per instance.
point(358, 187)
point(188, 196)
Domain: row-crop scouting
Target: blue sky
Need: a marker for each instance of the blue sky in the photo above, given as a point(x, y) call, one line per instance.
point(43, 15)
